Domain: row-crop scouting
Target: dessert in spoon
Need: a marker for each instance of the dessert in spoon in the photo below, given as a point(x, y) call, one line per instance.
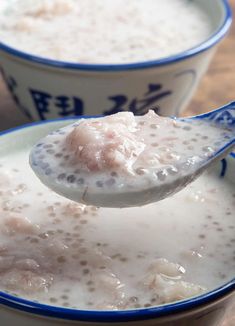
point(125, 160)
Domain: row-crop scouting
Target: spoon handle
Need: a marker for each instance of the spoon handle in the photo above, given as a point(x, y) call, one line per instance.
point(224, 116)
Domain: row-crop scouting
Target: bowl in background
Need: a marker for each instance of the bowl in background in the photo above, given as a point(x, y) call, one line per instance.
point(47, 89)
point(204, 310)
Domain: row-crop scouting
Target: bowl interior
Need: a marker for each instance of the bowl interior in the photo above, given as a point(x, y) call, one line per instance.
point(26, 136)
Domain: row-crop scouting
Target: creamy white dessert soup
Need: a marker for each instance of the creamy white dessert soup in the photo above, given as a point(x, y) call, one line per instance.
point(103, 31)
point(58, 252)
point(146, 158)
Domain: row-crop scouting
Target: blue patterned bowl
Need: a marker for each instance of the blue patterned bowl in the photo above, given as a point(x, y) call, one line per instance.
point(47, 89)
point(204, 310)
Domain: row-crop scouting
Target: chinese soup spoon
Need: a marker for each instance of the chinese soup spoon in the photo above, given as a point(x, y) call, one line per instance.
point(124, 160)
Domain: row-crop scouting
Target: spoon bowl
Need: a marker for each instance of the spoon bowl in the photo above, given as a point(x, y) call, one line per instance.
point(136, 189)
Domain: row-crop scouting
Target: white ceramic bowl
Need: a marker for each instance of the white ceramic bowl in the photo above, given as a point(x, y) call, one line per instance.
point(47, 89)
point(204, 310)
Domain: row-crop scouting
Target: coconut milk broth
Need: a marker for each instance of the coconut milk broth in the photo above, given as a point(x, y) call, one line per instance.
point(62, 253)
point(126, 31)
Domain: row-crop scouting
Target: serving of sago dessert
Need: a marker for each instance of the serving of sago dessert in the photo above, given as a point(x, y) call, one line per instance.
point(103, 31)
point(124, 160)
point(62, 253)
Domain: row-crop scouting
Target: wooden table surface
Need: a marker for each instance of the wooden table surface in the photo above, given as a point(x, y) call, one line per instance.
point(216, 88)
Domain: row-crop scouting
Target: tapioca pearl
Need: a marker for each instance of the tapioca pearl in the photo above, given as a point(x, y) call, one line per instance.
point(154, 144)
point(161, 175)
point(140, 171)
point(115, 256)
point(51, 232)
point(39, 144)
point(110, 182)
point(48, 171)
point(80, 181)
point(58, 155)
point(86, 271)
point(34, 240)
point(50, 151)
point(89, 303)
point(102, 267)
point(71, 178)
point(190, 147)
point(44, 165)
point(201, 236)
point(172, 156)
point(176, 125)
point(64, 297)
point(53, 300)
point(76, 256)
point(82, 250)
point(165, 149)
point(91, 289)
point(154, 126)
point(57, 221)
point(26, 205)
point(46, 146)
point(187, 128)
point(56, 142)
point(44, 235)
point(61, 259)
point(172, 170)
point(153, 300)
point(83, 221)
point(61, 176)
point(99, 184)
point(68, 239)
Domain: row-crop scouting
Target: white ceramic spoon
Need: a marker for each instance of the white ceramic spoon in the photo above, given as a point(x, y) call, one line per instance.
point(56, 166)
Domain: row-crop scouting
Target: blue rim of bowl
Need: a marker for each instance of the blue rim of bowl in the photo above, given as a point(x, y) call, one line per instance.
point(39, 309)
point(210, 42)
